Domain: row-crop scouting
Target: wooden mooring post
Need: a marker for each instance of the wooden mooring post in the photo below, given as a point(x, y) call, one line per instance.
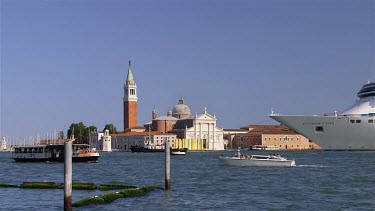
point(167, 166)
point(68, 152)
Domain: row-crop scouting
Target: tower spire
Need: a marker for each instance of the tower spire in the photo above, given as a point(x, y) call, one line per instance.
point(130, 77)
point(130, 101)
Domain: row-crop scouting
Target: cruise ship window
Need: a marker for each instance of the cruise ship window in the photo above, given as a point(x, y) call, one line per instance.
point(370, 121)
point(358, 121)
point(352, 121)
point(319, 129)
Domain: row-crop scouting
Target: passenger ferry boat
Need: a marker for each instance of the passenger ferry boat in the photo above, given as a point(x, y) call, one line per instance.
point(54, 153)
point(353, 129)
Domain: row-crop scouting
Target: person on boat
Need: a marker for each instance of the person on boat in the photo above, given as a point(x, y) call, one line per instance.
point(238, 154)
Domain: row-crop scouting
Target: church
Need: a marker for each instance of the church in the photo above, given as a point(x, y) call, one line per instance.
point(198, 132)
point(179, 127)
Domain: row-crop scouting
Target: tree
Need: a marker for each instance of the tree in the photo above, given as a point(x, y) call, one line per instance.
point(61, 135)
point(81, 132)
point(112, 129)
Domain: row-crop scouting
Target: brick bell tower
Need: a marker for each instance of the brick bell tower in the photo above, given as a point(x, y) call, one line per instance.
point(130, 101)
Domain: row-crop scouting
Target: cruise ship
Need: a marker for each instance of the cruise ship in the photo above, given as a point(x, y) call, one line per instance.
point(353, 129)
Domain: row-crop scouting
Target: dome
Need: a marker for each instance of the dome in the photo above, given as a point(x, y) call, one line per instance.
point(169, 113)
point(181, 110)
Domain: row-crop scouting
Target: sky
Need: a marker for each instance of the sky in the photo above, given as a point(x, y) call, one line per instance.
point(65, 62)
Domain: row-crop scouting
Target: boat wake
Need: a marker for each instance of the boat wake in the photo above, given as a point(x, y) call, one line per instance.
point(313, 166)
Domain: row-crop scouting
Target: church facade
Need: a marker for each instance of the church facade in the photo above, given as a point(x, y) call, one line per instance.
point(198, 132)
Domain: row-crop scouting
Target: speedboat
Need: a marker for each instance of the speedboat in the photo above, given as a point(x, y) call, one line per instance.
point(178, 152)
point(258, 160)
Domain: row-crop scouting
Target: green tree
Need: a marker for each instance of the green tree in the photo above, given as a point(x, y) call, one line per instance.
point(112, 129)
point(79, 132)
point(61, 135)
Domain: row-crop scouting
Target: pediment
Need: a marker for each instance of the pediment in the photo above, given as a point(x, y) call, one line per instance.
point(205, 116)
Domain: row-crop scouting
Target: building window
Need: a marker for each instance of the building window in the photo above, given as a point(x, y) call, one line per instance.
point(352, 121)
point(358, 121)
point(370, 121)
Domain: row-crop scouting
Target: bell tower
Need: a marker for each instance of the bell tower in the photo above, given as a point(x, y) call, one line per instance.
point(130, 101)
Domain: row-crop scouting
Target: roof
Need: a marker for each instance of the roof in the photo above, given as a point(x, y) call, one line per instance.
point(235, 130)
point(268, 129)
point(132, 133)
point(167, 118)
point(184, 123)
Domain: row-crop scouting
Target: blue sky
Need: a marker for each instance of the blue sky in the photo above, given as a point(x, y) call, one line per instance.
point(64, 62)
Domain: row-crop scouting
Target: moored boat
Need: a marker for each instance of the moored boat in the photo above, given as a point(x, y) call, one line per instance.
point(263, 147)
point(54, 153)
point(258, 160)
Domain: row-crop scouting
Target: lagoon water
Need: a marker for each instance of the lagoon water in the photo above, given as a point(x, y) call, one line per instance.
point(322, 180)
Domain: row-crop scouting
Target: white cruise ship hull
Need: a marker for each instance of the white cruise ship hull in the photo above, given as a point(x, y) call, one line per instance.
point(334, 132)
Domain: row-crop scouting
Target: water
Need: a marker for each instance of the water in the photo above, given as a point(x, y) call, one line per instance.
point(199, 181)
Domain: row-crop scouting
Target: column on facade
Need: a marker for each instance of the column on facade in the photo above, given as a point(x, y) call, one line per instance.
point(214, 132)
point(195, 130)
point(200, 131)
point(209, 133)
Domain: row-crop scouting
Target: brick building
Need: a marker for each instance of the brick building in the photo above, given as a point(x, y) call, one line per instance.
point(272, 136)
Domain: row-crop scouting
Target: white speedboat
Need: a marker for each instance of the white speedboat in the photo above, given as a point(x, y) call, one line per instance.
point(258, 160)
point(178, 152)
point(352, 129)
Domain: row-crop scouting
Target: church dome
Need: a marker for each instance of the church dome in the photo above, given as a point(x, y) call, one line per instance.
point(181, 110)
